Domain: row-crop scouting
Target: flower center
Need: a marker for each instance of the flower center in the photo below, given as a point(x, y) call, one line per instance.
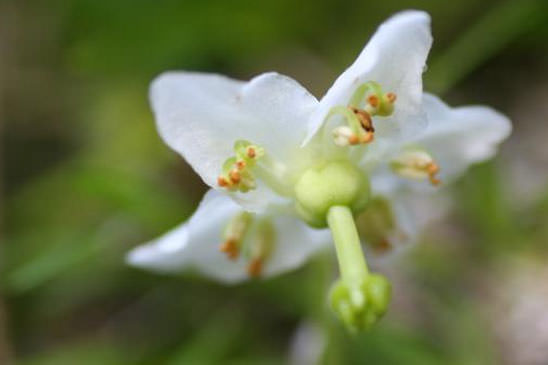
point(367, 101)
point(252, 237)
point(323, 186)
point(416, 164)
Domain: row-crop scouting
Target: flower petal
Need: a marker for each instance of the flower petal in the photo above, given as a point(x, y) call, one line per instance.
point(202, 115)
point(395, 58)
point(459, 137)
point(176, 250)
point(197, 243)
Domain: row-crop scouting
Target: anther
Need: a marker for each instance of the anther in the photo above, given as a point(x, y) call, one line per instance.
point(251, 153)
point(234, 234)
point(230, 248)
point(258, 247)
point(255, 268)
point(367, 101)
point(367, 138)
point(365, 119)
point(417, 164)
point(353, 139)
point(235, 176)
point(240, 165)
point(391, 97)
point(373, 100)
point(222, 182)
point(433, 170)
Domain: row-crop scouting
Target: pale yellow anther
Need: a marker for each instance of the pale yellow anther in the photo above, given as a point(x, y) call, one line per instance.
point(344, 136)
point(417, 164)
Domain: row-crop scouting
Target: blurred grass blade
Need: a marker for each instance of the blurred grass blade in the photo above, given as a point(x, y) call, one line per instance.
point(486, 38)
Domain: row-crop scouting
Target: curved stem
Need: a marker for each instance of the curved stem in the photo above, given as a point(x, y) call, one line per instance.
point(352, 263)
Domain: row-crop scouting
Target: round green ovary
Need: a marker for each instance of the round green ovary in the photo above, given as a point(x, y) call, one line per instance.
point(334, 183)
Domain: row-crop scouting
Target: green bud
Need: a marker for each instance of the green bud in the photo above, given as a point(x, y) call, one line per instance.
point(359, 305)
point(331, 184)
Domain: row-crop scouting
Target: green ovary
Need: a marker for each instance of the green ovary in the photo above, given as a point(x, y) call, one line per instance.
point(327, 185)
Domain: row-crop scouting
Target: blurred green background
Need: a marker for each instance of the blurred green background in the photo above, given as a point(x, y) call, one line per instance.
point(85, 177)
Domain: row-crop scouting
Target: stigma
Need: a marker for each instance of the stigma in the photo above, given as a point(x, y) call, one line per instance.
point(417, 164)
point(236, 171)
point(367, 101)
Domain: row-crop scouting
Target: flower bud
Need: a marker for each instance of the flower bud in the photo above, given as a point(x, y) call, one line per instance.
point(359, 305)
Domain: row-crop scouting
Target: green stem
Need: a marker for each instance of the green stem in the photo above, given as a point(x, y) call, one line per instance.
point(352, 264)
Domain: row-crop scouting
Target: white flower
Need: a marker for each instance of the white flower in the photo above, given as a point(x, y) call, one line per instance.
point(273, 154)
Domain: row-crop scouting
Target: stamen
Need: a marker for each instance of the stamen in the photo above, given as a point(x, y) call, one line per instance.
point(240, 164)
point(433, 170)
point(417, 164)
point(367, 101)
point(365, 119)
point(255, 268)
point(235, 176)
point(234, 234)
point(255, 239)
point(258, 247)
point(222, 181)
point(230, 248)
point(391, 97)
point(373, 100)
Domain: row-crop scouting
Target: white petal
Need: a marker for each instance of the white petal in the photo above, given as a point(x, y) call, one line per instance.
point(395, 58)
point(202, 115)
point(196, 244)
point(459, 137)
point(166, 253)
point(176, 250)
point(296, 242)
